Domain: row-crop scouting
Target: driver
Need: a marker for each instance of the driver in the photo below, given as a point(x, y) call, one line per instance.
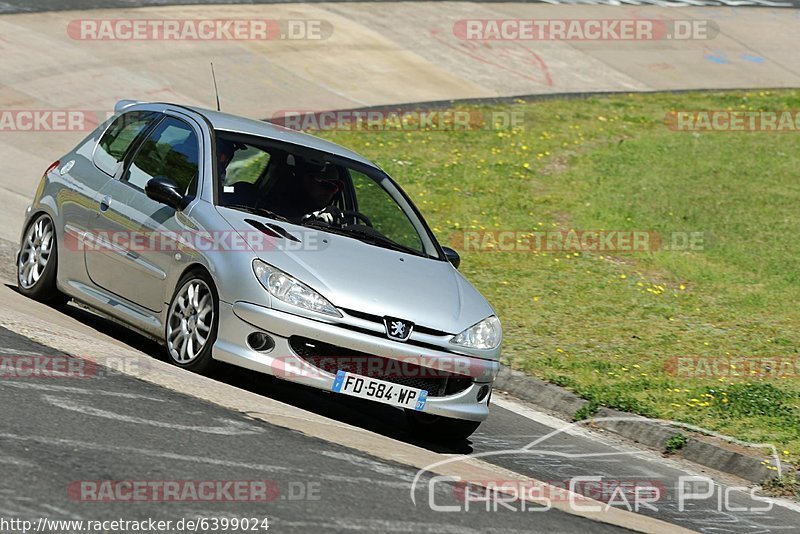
point(225, 152)
point(311, 191)
point(321, 183)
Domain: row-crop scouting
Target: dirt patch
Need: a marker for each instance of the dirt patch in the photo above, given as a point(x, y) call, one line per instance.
point(8, 258)
point(556, 165)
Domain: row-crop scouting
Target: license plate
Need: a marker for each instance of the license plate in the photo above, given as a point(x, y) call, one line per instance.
point(379, 391)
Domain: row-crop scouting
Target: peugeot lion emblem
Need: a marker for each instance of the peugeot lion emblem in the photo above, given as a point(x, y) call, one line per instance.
point(398, 329)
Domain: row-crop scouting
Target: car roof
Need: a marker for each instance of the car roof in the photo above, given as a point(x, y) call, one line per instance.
point(242, 125)
point(258, 128)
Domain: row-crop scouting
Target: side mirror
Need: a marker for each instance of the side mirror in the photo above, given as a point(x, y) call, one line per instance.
point(163, 190)
point(452, 256)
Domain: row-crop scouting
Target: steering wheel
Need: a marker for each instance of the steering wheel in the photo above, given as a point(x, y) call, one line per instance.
point(358, 215)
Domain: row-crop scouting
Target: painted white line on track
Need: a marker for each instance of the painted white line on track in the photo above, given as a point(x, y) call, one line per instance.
point(368, 463)
point(16, 352)
point(307, 419)
point(31, 384)
point(229, 427)
point(69, 335)
point(18, 462)
point(647, 455)
point(533, 415)
point(77, 444)
point(62, 511)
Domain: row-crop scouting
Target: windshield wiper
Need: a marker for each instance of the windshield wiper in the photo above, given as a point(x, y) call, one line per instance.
point(326, 227)
point(258, 211)
point(371, 236)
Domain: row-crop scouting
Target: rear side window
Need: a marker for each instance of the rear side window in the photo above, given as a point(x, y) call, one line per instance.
point(171, 151)
point(118, 138)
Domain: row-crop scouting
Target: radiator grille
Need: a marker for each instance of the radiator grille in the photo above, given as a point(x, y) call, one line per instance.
point(331, 359)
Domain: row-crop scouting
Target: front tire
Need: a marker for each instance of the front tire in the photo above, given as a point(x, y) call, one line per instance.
point(438, 429)
point(192, 323)
point(37, 264)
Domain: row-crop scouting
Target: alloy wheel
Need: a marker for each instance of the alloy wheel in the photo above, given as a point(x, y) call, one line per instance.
point(191, 317)
point(36, 250)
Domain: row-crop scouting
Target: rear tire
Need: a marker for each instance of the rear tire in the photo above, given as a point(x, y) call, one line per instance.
point(37, 264)
point(438, 429)
point(192, 322)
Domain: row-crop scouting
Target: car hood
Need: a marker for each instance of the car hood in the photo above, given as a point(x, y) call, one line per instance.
point(369, 279)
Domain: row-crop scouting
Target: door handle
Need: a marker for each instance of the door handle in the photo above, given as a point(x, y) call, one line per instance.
point(105, 203)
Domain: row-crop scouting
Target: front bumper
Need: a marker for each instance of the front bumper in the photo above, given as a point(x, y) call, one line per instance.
point(241, 319)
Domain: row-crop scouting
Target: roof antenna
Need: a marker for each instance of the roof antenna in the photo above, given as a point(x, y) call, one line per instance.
point(216, 91)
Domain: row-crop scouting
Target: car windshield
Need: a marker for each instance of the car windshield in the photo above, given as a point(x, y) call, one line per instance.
point(318, 190)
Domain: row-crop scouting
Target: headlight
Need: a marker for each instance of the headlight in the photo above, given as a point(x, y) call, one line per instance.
point(291, 291)
point(487, 334)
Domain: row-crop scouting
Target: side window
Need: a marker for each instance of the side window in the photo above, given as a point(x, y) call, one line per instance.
point(118, 138)
point(384, 213)
point(247, 164)
point(170, 150)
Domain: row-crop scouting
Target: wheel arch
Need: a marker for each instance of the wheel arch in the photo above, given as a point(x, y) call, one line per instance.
point(194, 266)
point(204, 361)
point(33, 213)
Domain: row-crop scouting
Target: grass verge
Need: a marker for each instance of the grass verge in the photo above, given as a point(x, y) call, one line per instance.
point(611, 325)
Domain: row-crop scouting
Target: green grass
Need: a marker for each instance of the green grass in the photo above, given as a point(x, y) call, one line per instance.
point(675, 443)
point(606, 325)
point(784, 486)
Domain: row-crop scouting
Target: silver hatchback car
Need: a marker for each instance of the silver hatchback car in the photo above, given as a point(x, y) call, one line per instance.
point(235, 240)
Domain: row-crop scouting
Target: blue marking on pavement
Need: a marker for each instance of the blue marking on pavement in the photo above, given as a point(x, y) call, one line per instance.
point(753, 58)
point(717, 57)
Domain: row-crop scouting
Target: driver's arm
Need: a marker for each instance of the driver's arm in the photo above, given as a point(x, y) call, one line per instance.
point(330, 215)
